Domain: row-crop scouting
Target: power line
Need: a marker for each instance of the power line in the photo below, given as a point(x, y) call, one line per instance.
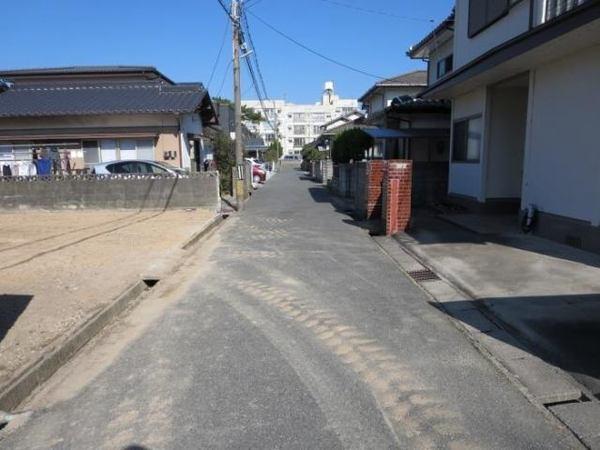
point(212, 74)
point(226, 9)
point(253, 4)
point(314, 52)
point(373, 11)
point(224, 78)
point(255, 56)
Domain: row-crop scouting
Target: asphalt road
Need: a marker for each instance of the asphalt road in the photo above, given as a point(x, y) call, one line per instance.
point(289, 329)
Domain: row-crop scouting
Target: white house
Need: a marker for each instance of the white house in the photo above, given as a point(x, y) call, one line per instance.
point(299, 124)
point(381, 94)
point(525, 90)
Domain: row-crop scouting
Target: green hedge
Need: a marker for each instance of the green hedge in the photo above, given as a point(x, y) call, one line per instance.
point(350, 145)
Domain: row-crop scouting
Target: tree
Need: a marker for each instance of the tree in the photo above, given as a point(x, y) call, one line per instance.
point(350, 145)
point(248, 114)
point(225, 157)
point(251, 115)
point(310, 153)
point(274, 151)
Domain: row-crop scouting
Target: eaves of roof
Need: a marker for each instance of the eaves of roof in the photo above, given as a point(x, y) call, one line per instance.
point(446, 24)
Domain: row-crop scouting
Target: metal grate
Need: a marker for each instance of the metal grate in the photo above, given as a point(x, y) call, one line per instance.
point(423, 275)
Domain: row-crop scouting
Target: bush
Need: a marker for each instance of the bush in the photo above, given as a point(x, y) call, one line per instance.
point(350, 145)
point(274, 152)
point(310, 153)
point(225, 157)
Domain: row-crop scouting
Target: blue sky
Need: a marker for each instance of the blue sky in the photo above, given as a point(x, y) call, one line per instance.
point(182, 39)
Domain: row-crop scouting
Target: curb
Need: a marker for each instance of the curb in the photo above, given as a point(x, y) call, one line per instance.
point(211, 225)
point(444, 292)
point(41, 370)
point(38, 372)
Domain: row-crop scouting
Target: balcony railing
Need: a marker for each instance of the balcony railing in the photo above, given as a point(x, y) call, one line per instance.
point(555, 8)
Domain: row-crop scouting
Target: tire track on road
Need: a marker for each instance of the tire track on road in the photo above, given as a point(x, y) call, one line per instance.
point(413, 409)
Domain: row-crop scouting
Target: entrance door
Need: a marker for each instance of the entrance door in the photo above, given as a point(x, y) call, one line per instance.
point(506, 139)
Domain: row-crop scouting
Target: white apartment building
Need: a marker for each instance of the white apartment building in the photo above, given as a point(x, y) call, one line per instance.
point(299, 124)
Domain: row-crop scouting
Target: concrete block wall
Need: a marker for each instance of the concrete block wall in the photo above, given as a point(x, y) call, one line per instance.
point(397, 196)
point(199, 190)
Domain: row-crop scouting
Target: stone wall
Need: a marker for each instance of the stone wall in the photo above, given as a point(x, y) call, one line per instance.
point(199, 190)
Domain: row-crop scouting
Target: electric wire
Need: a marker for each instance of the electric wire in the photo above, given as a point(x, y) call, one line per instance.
point(374, 11)
point(212, 74)
point(314, 52)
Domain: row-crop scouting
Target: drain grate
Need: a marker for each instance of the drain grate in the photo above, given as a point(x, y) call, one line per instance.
point(423, 275)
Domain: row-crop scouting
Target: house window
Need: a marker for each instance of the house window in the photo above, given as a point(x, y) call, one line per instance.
point(555, 8)
point(316, 129)
point(108, 150)
point(483, 13)
point(467, 140)
point(127, 148)
point(318, 117)
point(90, 152)
point(444, 66)
point(145, 149)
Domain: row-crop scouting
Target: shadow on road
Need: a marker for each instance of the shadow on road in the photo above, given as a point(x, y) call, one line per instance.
point(11, 307)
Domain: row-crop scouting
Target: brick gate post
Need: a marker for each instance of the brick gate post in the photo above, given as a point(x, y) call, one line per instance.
point(397, 196)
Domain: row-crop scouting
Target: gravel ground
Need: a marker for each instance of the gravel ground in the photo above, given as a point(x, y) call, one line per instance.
point(58, 268)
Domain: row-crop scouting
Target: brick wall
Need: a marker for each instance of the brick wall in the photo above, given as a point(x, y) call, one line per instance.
point(375, 173)
point(397, 194)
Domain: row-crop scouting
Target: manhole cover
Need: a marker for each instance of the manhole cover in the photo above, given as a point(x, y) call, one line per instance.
point(423, 275)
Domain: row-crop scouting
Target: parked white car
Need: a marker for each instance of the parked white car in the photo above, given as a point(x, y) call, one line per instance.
point(137, 166)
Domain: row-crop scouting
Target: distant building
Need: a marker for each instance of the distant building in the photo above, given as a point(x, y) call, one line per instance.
point(299, 125)
point(92, 115)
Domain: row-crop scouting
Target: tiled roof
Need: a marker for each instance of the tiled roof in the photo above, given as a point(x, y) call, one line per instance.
point(417, 78)
point(72, 99)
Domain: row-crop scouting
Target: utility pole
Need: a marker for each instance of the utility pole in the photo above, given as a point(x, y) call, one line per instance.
point(237, 94)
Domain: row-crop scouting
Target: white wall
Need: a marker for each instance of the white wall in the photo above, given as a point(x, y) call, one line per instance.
point(192, 124)
point(468, 178)
point(440, 53)
point(562, 169)
point(466, 49)
point(384, 96)
point(506, 142)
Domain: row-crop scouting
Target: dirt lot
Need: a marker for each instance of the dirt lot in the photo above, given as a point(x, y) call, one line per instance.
point(58, 268)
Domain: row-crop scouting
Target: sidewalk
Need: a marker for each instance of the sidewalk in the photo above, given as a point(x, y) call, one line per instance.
point(546, 295)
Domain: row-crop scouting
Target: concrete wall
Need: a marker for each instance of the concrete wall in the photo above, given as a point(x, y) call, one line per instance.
point(506, 144)
point(197, 191)
point(466, 49)
point(467, 179)
point(562, 162)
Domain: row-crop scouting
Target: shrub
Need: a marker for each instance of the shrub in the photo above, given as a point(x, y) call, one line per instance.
point(350, 145)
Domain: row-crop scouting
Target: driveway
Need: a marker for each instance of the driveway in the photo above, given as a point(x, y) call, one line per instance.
point(290, 329)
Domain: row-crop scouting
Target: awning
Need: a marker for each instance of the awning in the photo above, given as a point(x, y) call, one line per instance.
point(388, 133)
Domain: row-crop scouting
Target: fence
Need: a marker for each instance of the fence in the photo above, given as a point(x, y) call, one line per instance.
point(196, 190)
